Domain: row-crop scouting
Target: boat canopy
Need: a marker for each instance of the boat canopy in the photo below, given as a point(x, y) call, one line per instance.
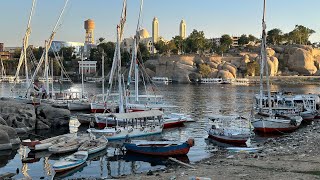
point(136, 115)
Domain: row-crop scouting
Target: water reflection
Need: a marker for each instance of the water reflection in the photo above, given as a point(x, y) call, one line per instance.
point(195, 100)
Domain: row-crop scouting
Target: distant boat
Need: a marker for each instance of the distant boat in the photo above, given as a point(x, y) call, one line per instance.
point(70, 162)
point(161, 80)
point(211, 80)
point(160, 148)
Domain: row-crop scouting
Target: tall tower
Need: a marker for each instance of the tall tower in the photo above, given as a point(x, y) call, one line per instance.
point(89, 26)
point(155, 33)
point(183, 29)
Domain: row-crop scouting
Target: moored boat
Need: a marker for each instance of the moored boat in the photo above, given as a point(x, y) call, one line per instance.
point(94, 145)
point(67, 146)
point(160, 148)
point(71, 161)
point(265, 123)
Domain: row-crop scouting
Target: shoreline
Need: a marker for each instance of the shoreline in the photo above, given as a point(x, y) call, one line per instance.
point(290, 156)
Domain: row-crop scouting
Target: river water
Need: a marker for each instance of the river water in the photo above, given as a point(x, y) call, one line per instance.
point(195, 100)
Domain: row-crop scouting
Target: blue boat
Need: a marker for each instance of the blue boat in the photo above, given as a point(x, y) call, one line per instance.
point(160, 148)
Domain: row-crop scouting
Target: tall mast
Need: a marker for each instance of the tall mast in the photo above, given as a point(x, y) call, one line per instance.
point(46, 67)
point(264, 54)
point(134, 59)
point(102, 74)
point(121, 104)
point(117, 56)
point(49, 41)
point(82, 83)
point(52, 79)
point(25, 44)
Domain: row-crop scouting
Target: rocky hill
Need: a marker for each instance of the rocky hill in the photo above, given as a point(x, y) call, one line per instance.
point(282, 60)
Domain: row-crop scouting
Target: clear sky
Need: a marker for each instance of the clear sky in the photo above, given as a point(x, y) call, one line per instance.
point(214, 17)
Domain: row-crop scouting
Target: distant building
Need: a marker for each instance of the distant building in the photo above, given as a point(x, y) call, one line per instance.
point(4, 54)
point(57, 45)
point(89, 67)
point(148, 40)
point(1, 47)
point(235, 41)
point(183, 29)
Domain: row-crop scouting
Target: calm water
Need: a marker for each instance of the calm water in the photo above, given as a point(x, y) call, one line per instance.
point(195, 100)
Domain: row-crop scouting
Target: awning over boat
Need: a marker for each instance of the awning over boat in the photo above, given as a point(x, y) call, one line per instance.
point(135, 115)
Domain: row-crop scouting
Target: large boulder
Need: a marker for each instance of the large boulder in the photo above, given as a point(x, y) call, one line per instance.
point(270, 52)
point(225, 74)
point(14, 138)
point(187, 60)
point(55, 116)
point(4, 141)
point(302, 61)
point(231, 69)
point(16, 113)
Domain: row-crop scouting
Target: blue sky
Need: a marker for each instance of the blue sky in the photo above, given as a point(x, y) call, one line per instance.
point(214, 17)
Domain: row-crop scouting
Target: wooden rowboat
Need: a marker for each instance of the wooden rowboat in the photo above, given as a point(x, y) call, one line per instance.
point(70, 162)
point(93, 146)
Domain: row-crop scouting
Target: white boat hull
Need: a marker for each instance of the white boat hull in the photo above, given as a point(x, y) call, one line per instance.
point(122, 133)
point(276, 125)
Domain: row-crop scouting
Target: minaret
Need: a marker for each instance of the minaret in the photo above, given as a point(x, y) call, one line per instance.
point(183, 29)
point(155, 32)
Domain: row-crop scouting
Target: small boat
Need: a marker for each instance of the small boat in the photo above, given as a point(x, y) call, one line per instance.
point(235, 130)
point(276, 123)
point(70, 162)
point(29, 143)
point(37, 145)
point(160, 148)
point(67, 146)
point(94, 145)
point(173, 120)
point(144, 123)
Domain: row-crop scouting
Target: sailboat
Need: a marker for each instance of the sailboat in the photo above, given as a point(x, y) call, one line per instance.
point(266, 120)
point(140, 125)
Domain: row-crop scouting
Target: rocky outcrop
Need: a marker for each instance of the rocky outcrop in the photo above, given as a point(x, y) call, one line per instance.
point(49, 116)
point(17, 115)
point(13, 136)
point(4, 141)
point(301, 61)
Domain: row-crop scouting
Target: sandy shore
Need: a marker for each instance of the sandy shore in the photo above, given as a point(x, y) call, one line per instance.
point(291, 156)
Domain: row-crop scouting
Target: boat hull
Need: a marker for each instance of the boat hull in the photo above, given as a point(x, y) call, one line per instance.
point(176, 150)
point(235, 140)
point(275, 125)
point(78, 106)
point(70, 162)
point(122, 133)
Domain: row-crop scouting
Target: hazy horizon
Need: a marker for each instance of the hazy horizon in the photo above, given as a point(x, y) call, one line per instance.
point(214, 17)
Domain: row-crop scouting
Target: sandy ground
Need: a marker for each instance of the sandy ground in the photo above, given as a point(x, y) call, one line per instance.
point(291, 156)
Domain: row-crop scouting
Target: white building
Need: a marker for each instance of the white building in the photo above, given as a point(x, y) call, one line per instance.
point(89, 67)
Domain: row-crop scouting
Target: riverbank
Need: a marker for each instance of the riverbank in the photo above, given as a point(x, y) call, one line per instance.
point(307, 80)
point(291, 156)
